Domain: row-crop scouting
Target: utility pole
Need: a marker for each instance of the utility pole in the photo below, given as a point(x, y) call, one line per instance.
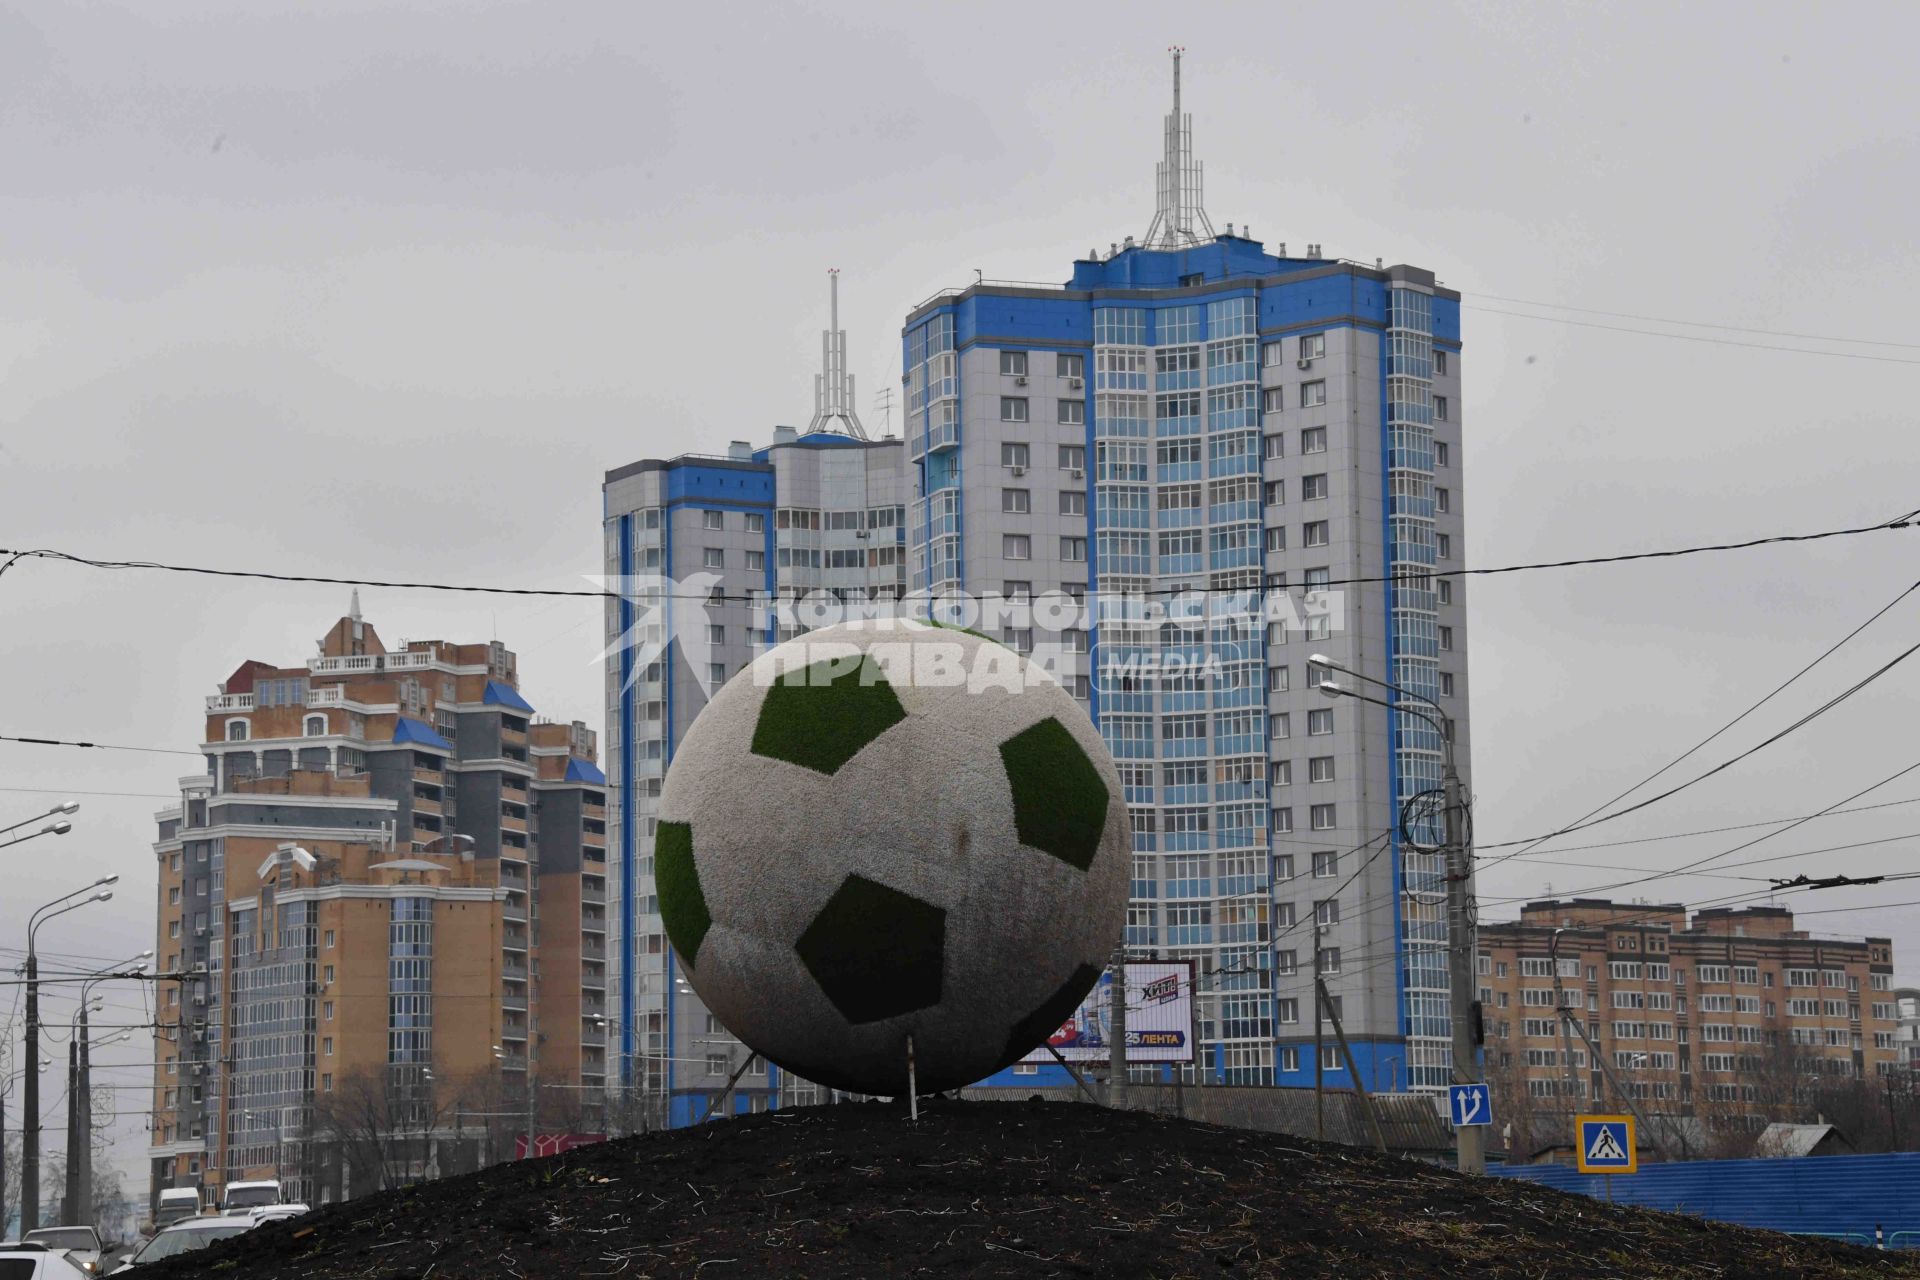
point(30, 1103)
point(70, 1193)
point(1470, 1140)
point(1319, 1074)
point(84, 1155)
point(1117, 1030)
point(1566, 1040)
point(1353, 1068)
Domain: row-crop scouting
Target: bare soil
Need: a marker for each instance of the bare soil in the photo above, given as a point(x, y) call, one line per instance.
point(996, 1189)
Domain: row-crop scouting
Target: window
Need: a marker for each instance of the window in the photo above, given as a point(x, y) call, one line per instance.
point(756, 560)
point(1319, 722)
point(713, 519)
point(1273, 354)
point(1013, 453)
point(1070, 366)
point(1312, 394)
point(1326, 865)
point(1276, 446)
point(327, 974)
point(756, 522)
point(1073, 502)
point(1443, 590)
point(326, 1046)
point(316, 726)
point(1314, 534)
point(715, 558)
point(1327, 911)
point(1273, 399)
point(1275, 493)
point(1073, 457)
point(236, 731)
point(716, 634)
point(1289, 1012)
point(1313, 440)
point(1016, 546)
point(1442, 501)
point(329, 939)
point(1277, 680)
point(1439, 408)
point(1013, 408)
point(716, 674)
point(1321, 817)
point(1072, 413)
point(1439, 453)
point(1446, 684)
point(1013, 364)
point(1443, 546)
point(1330, 961)
point(1439, 361)
point(1276, 538)
point(1074, 549)
point(1320, 769)
point(1446, 638)
point(1016, 502)
point(1313, 346)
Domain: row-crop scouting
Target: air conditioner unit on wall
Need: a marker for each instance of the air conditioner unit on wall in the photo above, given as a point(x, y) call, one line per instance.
point(1075, 383)
point(1018, 470)
point(1020, 381)
point(1077, 474)
point(1306, 363)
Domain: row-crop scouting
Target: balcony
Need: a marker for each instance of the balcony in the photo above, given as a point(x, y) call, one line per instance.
point(429, 777)
point(229, 702)
point(592, 950)
point(510, 823)
point(594, 811)
point(514, 1002)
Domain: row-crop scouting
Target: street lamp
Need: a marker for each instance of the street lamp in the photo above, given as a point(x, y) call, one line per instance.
point(1469, 1140)
point(61, 810)
point(30, 1122)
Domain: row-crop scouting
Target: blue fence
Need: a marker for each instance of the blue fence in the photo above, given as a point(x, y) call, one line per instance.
point(1844, 1196)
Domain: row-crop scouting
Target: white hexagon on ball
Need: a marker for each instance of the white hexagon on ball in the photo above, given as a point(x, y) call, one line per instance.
point(890, 829)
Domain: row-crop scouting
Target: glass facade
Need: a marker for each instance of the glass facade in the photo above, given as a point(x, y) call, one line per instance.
point(1417, 750)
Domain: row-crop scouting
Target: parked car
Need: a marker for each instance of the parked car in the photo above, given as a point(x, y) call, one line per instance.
point(242, 1196)
point(183, 1237)
point(275, 1212)
point(20, 1260)
point(81, 1245)
point(176, 1203)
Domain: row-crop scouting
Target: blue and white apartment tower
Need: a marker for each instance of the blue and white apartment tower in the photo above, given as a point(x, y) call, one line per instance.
point(1192, 418)
point(1172, 479)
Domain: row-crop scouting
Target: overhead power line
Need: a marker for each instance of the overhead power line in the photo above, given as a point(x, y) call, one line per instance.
point(15, 555)
point(1582, 820)
point(1700, 324)
point(1695, 337)
point(103, 746)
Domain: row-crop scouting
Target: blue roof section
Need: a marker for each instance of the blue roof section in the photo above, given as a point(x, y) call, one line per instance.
point(418, 733)
point(1219, 259)
point(506, 696)
point(584, 771)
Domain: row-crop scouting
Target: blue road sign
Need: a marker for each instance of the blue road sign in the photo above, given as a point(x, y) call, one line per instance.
point(1469, 1104)
point(1606, 1145)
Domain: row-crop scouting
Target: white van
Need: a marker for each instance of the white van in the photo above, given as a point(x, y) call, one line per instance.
point(240, 1197)
point(176, 1203)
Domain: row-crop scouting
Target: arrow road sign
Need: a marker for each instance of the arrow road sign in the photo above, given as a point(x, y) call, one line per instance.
point(1469, 1105)
point(1607, 1145)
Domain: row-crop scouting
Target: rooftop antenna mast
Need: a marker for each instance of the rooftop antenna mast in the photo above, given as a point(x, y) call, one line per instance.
point(1179, 221)
point(833, 386)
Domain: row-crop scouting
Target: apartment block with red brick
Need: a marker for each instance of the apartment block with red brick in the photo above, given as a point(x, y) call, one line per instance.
point(1694, 1015)
point(357, 880)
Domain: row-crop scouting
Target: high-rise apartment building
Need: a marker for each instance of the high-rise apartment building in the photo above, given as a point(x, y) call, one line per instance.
point(1173, 479)
point(1722, 1016)
point(391, 881)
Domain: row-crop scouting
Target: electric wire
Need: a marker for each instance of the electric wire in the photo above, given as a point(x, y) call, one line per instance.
point(1694, 337)
point(1775, 692)
point(1698, 324)
point(1900, 522)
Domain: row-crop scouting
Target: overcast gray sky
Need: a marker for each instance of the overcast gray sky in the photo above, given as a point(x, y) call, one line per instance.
point(381, 291)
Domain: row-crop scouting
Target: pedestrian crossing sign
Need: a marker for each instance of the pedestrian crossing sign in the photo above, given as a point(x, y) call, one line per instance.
point(1606, 1145)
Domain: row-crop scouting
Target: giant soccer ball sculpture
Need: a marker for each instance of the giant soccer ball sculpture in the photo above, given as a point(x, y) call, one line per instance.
point(888, 830)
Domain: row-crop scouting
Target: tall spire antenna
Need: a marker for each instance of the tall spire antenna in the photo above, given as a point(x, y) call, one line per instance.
point(1179, 218)
point(833, 386)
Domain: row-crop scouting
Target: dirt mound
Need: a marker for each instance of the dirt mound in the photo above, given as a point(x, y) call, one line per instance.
point(995, 1189)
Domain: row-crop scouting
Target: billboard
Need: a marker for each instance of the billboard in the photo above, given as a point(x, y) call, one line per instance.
point(1159, 1017)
